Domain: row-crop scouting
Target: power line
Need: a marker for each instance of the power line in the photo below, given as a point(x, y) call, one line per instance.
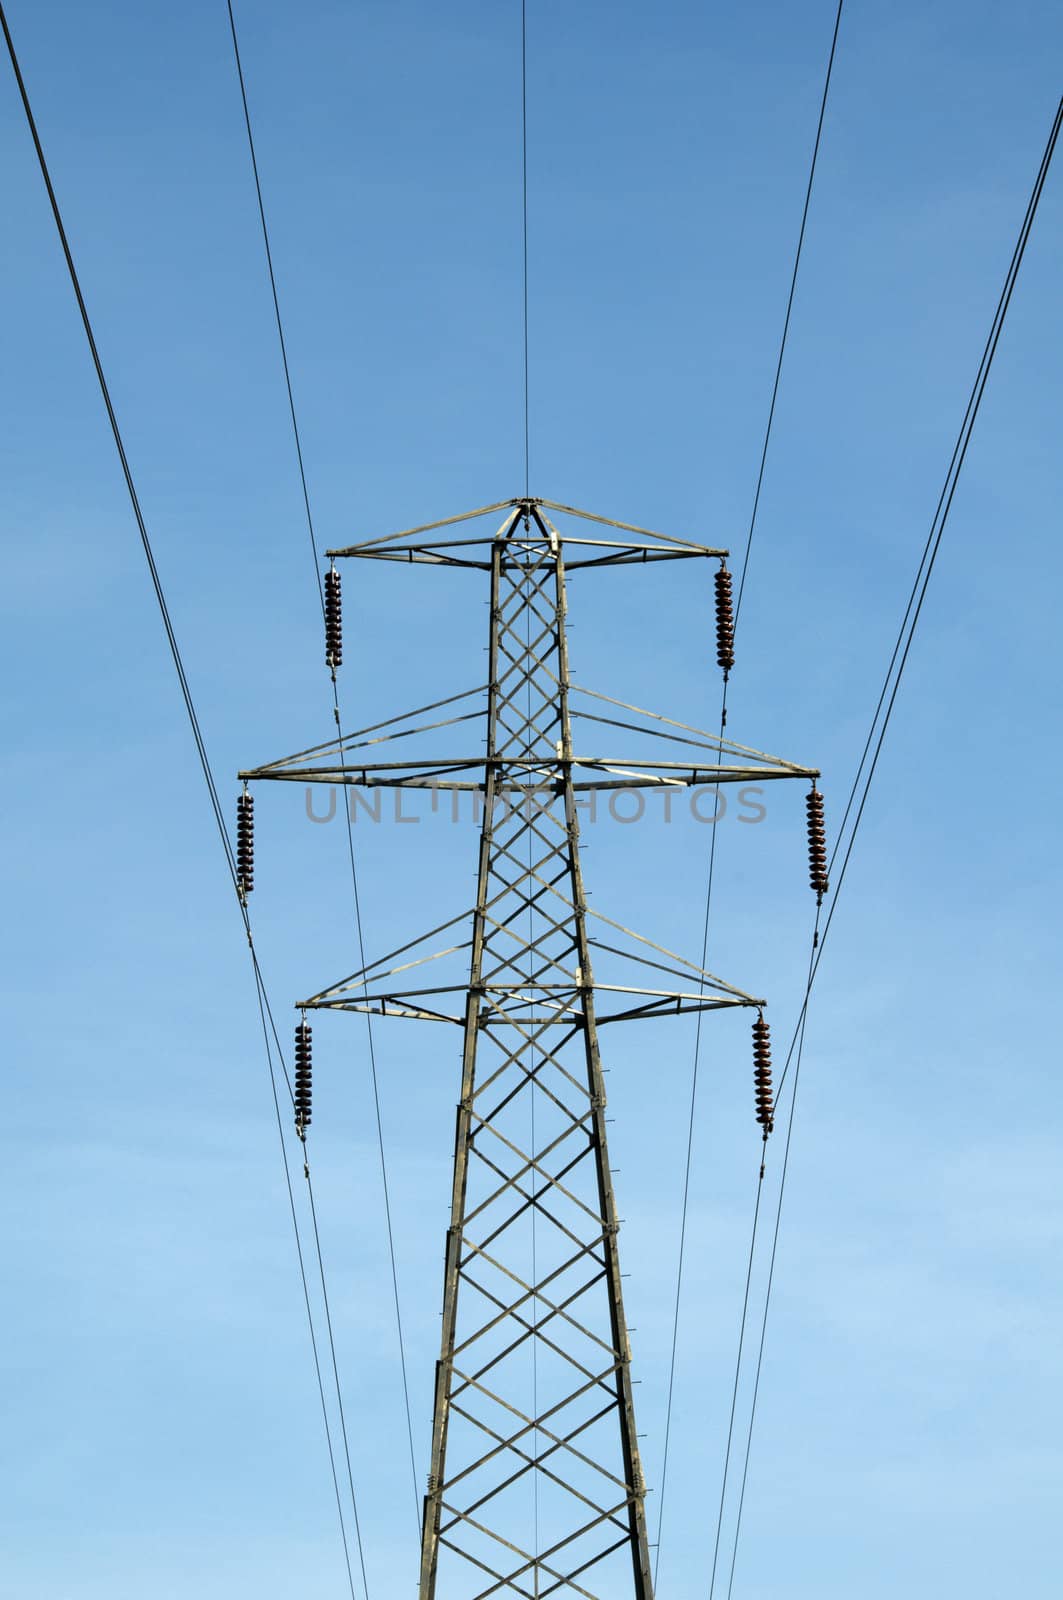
point(336, 1373)
point(789, 309)
point(263, 1006)
point(712, 844)
point(380, 1142)
point(276, 307)
point(900, 657)
point(524, 187)
point(933, 545)
point(339, 730)
point(764, 1319)
point(738, 1372)
point(265, 1010)
point(130, 486)
point(688, 1164)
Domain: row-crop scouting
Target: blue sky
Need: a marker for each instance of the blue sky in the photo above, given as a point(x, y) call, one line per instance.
point(161, 1428)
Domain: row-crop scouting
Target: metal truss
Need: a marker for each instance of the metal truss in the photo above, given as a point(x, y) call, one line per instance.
point(535, 1484)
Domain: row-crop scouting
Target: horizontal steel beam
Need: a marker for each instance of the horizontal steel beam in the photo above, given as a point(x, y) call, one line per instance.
point(625, 775)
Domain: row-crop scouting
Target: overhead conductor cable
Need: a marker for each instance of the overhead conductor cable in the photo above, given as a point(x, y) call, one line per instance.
point(733, 624)
point(884, 710)
point(232, 864)
point(329, 599)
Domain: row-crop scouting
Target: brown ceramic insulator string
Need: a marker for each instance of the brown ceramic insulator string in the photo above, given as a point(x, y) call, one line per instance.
point(333, 620)
point(725, 623)
point(304, 1070)
point(764, 1105)
point(817, 844)
point(245, 843)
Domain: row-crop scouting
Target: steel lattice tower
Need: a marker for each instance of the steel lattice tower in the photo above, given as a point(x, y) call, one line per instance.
point(535, 1483)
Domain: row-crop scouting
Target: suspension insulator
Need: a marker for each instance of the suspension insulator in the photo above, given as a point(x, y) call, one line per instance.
point(765, 1106)
point(302, 1093)
point(817, 844)
point(245, 842)
point(725, 621)
point(333, 619)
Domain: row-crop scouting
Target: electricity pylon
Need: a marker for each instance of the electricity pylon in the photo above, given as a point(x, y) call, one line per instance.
point(535, 1482)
